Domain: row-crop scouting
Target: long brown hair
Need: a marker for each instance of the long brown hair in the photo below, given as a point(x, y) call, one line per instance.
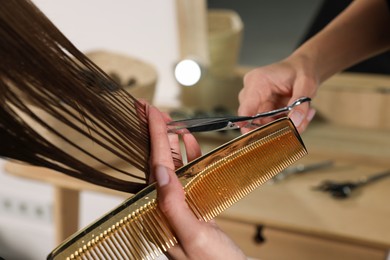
point(48, 89)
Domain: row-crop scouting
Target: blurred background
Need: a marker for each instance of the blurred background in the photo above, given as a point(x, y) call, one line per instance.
point(146, 30)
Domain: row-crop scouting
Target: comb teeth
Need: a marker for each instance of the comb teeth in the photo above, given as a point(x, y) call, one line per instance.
point(138, 230)
point(133, 237)
point(225, 182)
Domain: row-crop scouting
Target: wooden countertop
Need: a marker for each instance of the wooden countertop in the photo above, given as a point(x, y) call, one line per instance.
point(292, 204)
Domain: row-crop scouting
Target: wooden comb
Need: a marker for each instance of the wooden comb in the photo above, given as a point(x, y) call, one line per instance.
point(137, 229)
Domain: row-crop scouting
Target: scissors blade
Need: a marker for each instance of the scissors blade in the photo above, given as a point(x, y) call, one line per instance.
point(200, 125)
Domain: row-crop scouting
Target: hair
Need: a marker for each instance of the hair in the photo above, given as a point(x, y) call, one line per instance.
point(54, 99)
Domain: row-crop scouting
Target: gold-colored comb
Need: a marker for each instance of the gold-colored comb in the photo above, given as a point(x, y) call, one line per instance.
point(212, 183)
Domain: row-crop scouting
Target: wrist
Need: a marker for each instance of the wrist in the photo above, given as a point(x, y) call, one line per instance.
point(305, 67)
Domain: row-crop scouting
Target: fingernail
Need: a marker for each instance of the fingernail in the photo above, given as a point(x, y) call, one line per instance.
point(162, 175)
point(297, 117)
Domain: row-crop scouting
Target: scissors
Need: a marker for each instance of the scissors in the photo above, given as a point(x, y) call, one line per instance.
point(342, 190)
point(207, 124)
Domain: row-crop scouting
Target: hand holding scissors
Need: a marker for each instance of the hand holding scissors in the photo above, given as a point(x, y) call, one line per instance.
point(207, 124)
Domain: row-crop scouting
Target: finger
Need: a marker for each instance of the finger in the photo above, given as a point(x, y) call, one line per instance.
point(176, 154)
point(192, 147)
point(301, 115)
point(174, 141)
point(245, 130)
point(176, 151)
point(248, 97)
point(256, 94)
point(160, 146)
point(171, 201)
point(307, 120)
point(248, 104)
point(271, 103)
point(303, 87)
point(142, 107)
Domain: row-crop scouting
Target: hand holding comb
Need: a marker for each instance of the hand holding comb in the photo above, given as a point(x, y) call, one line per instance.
point(42, 75)
point(137, 229)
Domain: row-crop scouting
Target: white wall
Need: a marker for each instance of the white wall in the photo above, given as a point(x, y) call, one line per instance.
point(145, 29)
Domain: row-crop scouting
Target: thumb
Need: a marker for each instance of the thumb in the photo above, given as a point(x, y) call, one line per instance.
point(171, 201)
point(301, 115)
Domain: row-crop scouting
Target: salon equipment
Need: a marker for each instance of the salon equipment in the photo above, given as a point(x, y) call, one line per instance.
point(342, 190)
point(226, 123)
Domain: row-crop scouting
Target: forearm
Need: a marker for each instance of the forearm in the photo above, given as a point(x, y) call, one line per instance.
point(358, 33)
